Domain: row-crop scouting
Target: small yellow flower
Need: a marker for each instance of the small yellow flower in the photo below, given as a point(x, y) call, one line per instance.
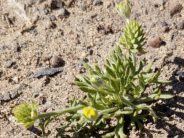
point(90, 113)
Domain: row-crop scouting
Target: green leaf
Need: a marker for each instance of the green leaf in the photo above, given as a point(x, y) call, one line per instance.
point(140, 67)
point(78, 83)
point(88, 90)
point(89, 68)
point(110, 71)
point(97, 69)
point(148, 67)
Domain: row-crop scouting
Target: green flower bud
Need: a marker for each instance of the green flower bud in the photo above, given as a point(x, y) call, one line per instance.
point(133, 37)
point(26, 114)
point(124, 9)
point(97, 81)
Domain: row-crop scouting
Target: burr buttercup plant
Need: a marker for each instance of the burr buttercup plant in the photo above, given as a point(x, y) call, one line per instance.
point(119, 95)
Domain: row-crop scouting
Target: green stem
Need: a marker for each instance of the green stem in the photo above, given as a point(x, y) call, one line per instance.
point(60, 112)
point(108, 110)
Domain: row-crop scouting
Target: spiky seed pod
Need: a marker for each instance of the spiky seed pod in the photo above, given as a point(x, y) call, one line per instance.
point(26, 114)
point(133, 37)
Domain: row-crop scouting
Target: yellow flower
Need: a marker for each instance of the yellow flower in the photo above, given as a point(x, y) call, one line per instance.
point(90, 113)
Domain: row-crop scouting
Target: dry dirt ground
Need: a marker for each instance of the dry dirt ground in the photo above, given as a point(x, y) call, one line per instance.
point(82, 31)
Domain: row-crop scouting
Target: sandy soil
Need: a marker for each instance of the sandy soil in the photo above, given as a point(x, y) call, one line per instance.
point(76, 31)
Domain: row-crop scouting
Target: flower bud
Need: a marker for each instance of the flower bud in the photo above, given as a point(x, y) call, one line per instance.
point(90, 113)
point(97, 81)
point(124, 9)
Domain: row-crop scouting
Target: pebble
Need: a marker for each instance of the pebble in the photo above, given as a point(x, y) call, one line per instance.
point(63, 13)
point(56, 4)
point(15, 79)
point(155, 42)
point(175, 8)
point(16, 48)
point(83, 54)
point(70, 78)
point(180, 24)
point(52, 18)
point(10, 63)
point(97, 2)
point(107, 4)
point(173, 35)
point(6, 97)
point(57, 61)
point(47, 72)
point(84, 60)
point(166, 29)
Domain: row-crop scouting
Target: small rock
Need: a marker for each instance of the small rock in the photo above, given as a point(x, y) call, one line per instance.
point(155, 42)
point(16, 48)
point(51, 25)
point(3, 47)
point(180, 24)
point(97, 2)
point(83, 54)
point(47, 72)
point(69, 3)
point(63, 13)
point(84, 60)
point(70, 79)
point(107, 4)
point(42, 100)
point(43, 10)
point(175, 8)
point(160, 2)
point(52, 18)
point(48, 104)
point(166, 29)
point(57, 61)
point(6, 97)
point(173, 35)
point(10, 63)
point(56, 4)
point(15, 94)
point(35, 95)
point(180, 74)
point(164, 24)
point(15, 79)
point(137, 15)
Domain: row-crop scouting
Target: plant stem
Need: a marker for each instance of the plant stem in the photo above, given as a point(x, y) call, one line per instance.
point(60, 112)
point(108, 110)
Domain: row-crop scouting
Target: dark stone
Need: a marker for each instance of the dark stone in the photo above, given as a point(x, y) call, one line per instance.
point(56, 4)
point(47, 72)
